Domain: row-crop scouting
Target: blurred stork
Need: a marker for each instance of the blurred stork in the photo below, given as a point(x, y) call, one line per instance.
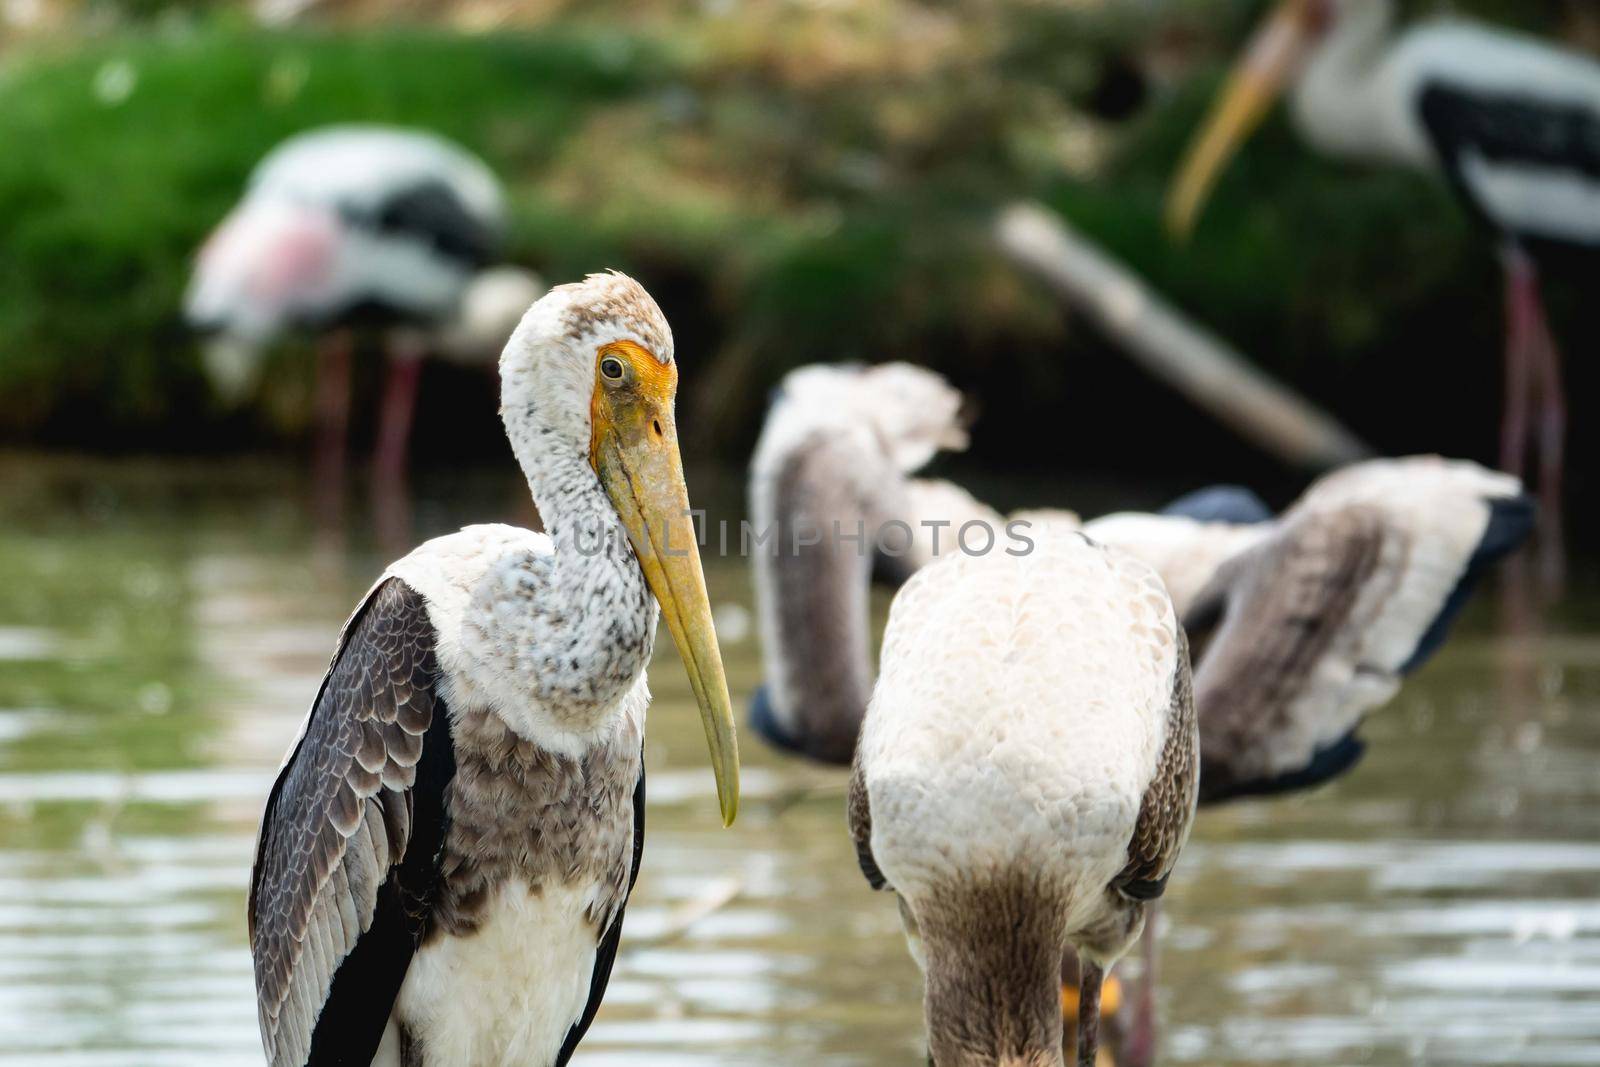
point(1512, 124)
point(445, 857)
point(1024, 784)
point(832, 466)
point(1302, 623)
point(351, 226)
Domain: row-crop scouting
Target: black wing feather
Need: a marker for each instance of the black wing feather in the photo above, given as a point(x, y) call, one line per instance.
point(348, 855)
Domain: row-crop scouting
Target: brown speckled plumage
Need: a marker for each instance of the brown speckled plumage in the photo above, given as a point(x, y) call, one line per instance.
point(619, 304)
point(994, 957)
point(520, 812)
point(448, 853)
point(1167, 809)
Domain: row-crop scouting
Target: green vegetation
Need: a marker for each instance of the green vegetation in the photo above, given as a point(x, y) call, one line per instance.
point(796, 182)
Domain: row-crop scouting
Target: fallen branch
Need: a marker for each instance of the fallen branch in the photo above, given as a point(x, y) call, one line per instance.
point(1164, 342)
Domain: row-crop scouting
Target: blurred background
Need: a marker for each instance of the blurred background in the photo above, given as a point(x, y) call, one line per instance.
point(795, 181)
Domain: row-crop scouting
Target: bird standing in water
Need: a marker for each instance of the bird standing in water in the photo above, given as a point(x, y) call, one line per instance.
point(445, 857)
point(1025, 780)
point(351, 226)
point(1302, 624)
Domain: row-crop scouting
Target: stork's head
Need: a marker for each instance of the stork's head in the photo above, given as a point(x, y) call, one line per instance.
point(263, 266)
point(912, 412)
point(1272, 60)
point(590, 373)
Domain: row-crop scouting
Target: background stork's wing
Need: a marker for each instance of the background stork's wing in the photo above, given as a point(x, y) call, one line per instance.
point(434, 213)
point(1188, 554)
point(1505, 150)
point(934, 511)
point(1167, 809)
point(605, 956)
point(347, 857)
point(859, 811)
point(1282, 685)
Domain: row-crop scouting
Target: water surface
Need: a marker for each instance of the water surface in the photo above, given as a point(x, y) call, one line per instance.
point(163, 628)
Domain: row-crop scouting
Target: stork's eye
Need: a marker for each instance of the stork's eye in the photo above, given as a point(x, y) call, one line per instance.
point(611, 367)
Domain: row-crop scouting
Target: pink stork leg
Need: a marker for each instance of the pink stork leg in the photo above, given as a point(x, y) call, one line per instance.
point(399, 408)
point(1522, 302)
point(391, 500)
point(331, 410)
point(1552, 439)
point(1533, 370)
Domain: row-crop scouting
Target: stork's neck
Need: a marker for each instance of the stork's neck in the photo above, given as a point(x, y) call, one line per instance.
point(590, 621)
point(1339, 100)
point(813, 597)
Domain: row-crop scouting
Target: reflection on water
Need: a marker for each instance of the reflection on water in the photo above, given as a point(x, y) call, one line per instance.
point(163, 629)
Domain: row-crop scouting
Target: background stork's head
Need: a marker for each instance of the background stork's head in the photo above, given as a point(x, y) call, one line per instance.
point(911, 411)
point(589, 378)
point(259, 269)
point(1273, 59)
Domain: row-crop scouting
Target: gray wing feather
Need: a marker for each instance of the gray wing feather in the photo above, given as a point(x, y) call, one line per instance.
point(1272, 687)
point(338, 818)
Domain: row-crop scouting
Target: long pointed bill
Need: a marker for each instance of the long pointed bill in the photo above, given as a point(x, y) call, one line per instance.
point(1253, 87)
point(636, 456)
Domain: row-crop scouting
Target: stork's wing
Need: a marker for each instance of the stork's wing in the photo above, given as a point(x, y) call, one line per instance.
point(1505, 150)
point(1167, 809)
point(1282, 685)
point(347, 857)
point(434, 213)
point(859, 812)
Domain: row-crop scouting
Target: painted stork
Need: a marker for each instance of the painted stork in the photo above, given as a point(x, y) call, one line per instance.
point(1512, 124)
point(360, 225)
point(445, 857)
point(1025, 780)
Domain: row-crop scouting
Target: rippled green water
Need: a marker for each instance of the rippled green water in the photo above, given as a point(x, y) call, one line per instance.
point(162, 630)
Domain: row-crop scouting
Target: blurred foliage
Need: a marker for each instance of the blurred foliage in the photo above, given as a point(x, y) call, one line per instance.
point(796, 181)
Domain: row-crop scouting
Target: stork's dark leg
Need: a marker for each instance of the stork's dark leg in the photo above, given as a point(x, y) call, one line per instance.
point(1140, 1048)
point(331, 412)
point(1521, 330)
point(1089, 978)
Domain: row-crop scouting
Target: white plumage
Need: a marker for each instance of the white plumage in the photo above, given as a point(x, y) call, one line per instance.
point(1027, 692)
point(361, 167)
point(346, 217)
point(1185, 552)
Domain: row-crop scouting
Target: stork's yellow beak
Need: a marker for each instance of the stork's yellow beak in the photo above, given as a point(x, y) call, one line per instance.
point(1253, 87)
point(634, 449)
